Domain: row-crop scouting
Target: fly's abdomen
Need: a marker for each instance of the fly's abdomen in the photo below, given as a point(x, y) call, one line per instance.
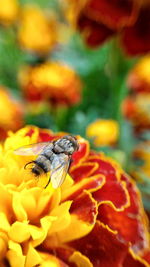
point(43, 162)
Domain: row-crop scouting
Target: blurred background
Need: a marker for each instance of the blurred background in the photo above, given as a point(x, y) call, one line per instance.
point(80, 68)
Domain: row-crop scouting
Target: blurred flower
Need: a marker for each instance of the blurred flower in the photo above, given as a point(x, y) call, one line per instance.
point(100, 20)
point(136, 109)
point(37, 31)
point(103, 132)
point(11, 113)
point(51, 81)
point(139, 76)
point(142, 153)
point(8, 11)
point(95, 219)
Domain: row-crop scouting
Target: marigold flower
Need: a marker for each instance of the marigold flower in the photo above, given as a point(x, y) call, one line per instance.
point(95, 219)
point(37, 31)
point(52, 81)
point(11, 113)
point(139, 76)
point(142, 153)
point(8, 11)
point(103, 132)
point(136, 109)
point(100, 20)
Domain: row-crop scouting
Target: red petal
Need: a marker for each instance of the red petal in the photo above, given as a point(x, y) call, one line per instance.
point(115, 14)
point(129, 108)
point(102, 247)
point(82, 152)
point(62, 253)
point(129, 227)
point(146, 256)
point(136, 39)
point(90, 184)
point(45, 137)
point(32, 94)
point(48, 136)
point(30, 132)
point(84, 170)
point(85, 208)
point(94, 33)
point(135, 200)
point(105, 167)
point(114, 192)
point(131, 261)
point(131, 223)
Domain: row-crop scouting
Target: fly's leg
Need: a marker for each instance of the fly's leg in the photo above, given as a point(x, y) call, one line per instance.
point(47, 183)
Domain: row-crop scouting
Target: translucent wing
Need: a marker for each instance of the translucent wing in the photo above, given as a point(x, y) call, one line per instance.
point(59, 169)
point(33, 149)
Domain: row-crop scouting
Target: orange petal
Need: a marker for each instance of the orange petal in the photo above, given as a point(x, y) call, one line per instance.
point(114, 192)
point(80, 171)
point(85, 207)
point(102, 247)
point(91, 184)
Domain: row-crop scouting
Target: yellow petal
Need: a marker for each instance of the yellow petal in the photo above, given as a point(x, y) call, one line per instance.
point(19, 211)
point(80, 260)
point(19, 232)
point(43, 201)
point(67, 183)
point(39, 233)
point(75, 230)
point(50, 261)
point(63, 217)
point(15, 255)
point(4, 225)
point(33, 258)
point(55, 199)
point(5, 202)
point(3, 244)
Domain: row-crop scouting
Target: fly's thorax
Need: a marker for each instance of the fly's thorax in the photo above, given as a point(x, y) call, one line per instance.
point(64, 145)
point(58, 160)
point(47, 152)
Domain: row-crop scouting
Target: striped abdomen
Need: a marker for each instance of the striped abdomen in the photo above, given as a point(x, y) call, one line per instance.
point(43, 162)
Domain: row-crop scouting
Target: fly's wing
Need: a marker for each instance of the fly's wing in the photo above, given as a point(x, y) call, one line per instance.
point(59, 169)
point(33, 149)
